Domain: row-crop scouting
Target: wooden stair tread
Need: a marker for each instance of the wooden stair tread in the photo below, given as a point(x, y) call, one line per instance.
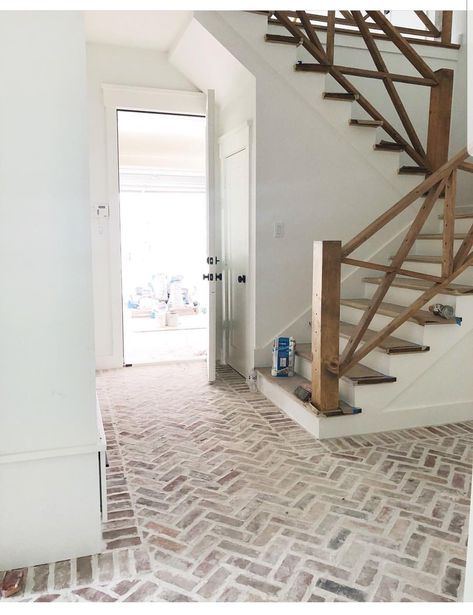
point(340, 96)
point(289, 385)
point(391, 345)
point(358, 374)
point(461, 213)
point(412, 170)
point(400, 282)
point(281, 38)
point(422, 258)
point(311, 67)
point(366, 123)
point(439, 236)
point(389, 146)
point(422, 317)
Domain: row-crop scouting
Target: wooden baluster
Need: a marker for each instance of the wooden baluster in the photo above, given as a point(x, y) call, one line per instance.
point(326, 324)
point(431, 27)
point(389, 85)
point(446, 31)
point(380, 293)
point(449, 224)
point(330, 46)
point(440, 110)
point(403, 203)
point(408, 312)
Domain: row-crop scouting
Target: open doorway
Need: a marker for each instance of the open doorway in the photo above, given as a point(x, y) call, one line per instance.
point(163, 236)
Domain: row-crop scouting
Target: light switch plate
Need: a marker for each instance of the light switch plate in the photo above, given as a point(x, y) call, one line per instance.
point(102, 210)
point(278, 231)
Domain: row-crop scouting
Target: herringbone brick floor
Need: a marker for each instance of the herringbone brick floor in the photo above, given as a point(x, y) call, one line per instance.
point(215, 495)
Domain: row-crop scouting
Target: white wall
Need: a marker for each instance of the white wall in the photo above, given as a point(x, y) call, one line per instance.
point(121, 66)
point(47, 394)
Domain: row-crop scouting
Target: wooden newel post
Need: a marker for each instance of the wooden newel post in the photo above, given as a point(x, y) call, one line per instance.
point(446, 27)
point(326, 324)
point(439, 118)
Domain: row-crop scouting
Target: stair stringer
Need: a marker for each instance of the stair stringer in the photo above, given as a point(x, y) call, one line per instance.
point(426, 401)
point(409, 368)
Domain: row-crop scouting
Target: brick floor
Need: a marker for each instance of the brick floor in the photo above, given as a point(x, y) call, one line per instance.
point(215, 495)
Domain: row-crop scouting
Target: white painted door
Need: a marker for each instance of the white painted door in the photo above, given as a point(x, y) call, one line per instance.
point(234, 155)
point(211, 243)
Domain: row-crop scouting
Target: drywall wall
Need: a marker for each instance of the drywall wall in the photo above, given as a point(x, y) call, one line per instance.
point(47, 398)
point(121, 66)
point(47, 291)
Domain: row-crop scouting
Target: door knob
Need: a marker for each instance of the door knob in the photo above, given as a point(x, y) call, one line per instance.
point(241, 279)
point(208, 276)
point(218, 276)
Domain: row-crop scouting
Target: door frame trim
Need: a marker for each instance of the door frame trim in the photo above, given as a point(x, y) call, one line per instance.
point(230, 143)
point(118, 98)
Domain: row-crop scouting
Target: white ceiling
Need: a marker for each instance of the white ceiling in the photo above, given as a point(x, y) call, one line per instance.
point(145, 29)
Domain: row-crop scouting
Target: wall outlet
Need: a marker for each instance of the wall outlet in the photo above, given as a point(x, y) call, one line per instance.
point(278, 230)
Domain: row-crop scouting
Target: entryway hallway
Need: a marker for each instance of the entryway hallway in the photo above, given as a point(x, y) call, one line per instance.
point(215, 495)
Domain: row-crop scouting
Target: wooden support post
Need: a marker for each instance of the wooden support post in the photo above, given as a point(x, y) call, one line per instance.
point(330, 36)
point(326, 324)
point(448, 235)
point(446, 29)
point(439, 119)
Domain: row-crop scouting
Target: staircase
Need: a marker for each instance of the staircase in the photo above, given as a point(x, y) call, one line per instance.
point(379, 359)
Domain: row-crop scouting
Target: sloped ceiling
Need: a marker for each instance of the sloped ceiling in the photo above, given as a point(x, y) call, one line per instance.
point(145, 29)
point(208, 64)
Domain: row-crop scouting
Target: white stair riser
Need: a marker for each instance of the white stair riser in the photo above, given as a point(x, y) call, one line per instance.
point(436, 269)
point(407, 296)
point(377, 359)
point(462, 225)
point(409, 331)
point(432, 247)
point(302, 367)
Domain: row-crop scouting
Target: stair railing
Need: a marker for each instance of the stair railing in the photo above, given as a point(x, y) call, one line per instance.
point(371, 26)
point(435, 34)
point(329, 256)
